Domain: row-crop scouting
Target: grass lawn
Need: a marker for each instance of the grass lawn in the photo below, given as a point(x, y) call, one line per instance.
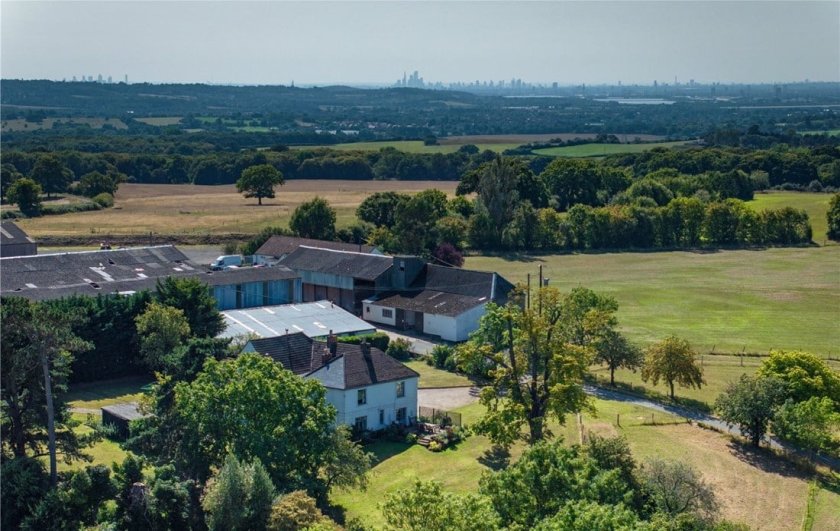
point(600, 150)
point(727, 301)
point(816, 205)
point(98, 394)
point(433, 377)
point(760, 490)
point(189, 209)
point(105, 452)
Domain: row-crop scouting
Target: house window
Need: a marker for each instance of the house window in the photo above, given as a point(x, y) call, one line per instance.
point(388, 313)
point(360, 425)
point(400, 389)
point(361, 397)
point(381, 417)
point(400, 415)
point(367, 309)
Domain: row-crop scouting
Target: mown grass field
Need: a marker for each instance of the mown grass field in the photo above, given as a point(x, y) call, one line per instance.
point(760, 490)
point(816, 205)
point(601, 150)
point(189, 209)
point(728, 301)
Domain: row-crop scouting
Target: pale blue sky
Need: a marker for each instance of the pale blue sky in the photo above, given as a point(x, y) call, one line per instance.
point(364, 42)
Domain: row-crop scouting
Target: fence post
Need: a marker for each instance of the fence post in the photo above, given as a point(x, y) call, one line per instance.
point(618, 419)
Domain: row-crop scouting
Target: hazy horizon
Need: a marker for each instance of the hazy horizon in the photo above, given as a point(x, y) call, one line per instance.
point(373, 43)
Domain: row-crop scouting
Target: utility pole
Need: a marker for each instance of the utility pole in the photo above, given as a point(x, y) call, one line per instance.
point(528, 294)
point(539, 289)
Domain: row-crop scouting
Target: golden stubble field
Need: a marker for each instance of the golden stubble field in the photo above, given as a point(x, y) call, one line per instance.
point(188, 209)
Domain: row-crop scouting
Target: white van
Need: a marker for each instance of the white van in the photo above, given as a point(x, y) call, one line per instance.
point(227, 261)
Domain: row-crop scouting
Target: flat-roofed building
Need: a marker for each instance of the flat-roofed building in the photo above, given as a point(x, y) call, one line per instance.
point(313, 319)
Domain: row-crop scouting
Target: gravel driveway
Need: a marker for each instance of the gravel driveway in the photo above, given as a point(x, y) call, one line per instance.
point(447, 397)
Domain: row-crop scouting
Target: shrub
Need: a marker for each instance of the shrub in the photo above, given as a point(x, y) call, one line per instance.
point(411, 438)
point(105, 200)
point(441, 354)
point(399, 349)
point(379, 340)
point(296, 510)
point(435, 446)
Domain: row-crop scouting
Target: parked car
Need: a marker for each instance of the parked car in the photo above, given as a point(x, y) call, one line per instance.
point(226, 261)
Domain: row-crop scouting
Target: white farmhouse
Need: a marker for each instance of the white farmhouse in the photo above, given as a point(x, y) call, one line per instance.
point(369, 389)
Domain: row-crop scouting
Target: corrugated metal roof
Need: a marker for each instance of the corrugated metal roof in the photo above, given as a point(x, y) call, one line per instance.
point(343, 263)
point(315, 319)
point(283, 245)
point(51, 276)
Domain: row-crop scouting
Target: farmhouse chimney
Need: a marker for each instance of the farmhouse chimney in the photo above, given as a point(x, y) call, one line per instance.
point(332, 343)
point(365, 346)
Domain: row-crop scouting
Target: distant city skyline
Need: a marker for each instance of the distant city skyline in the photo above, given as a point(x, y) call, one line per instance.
point(373, 43)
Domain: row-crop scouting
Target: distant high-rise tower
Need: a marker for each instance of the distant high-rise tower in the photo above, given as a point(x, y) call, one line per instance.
point(126, 79)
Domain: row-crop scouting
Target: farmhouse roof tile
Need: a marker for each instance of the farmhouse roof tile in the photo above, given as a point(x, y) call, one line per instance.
point(347, 368)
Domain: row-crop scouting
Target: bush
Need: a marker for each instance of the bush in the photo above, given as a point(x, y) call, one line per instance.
point(435, 446)
point(70, 208)
point(105, 200)
point(399, 349)
point(411, 438)
point(379, 340)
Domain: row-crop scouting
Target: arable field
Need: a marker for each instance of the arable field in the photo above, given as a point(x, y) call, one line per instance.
point(601, 150)
point(726, 301)
point(816, 205)
point(189, 209)
point(760, 490)
point(160, 121)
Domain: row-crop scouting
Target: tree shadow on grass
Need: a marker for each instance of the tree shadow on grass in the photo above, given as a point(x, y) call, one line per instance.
point(383, 449)
point(496, 458)
point(767, 461)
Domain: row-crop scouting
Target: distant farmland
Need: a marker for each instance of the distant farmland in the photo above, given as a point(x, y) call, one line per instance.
point(601, 150)
point(179, 209)
point(20, 124)
point(497, 143)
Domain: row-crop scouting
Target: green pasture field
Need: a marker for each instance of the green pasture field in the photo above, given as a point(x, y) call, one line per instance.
point(411, 146)
point(760, 490)
point(729, 301)
point(816, 205)
point(830, 132)
point(601, 150)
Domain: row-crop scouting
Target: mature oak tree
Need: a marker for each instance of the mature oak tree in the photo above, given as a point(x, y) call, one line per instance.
point(539, 355)
point(259, 181)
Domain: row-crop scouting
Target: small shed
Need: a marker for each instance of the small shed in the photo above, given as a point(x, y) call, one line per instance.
point(120, 416)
